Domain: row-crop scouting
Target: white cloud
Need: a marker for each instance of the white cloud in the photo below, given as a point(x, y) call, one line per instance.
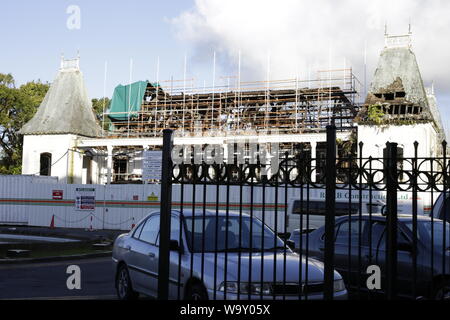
point(299, 34)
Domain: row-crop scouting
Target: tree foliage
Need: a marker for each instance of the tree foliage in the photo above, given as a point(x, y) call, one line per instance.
point(6, 80)
point(17, 107)
point(375, 114)
point(99, 105)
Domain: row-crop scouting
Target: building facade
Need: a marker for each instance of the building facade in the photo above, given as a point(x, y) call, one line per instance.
point(64, 139)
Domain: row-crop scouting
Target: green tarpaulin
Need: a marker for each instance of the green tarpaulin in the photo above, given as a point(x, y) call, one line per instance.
point(127, 101)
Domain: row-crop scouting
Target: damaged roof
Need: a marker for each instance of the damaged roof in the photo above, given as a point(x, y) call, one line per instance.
point(398, 69)
point(397, 87)
point(66, 108)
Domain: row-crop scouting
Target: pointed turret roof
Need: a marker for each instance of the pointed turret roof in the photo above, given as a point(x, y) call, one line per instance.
point(398, 87)
point(397, 67)
point(66, 108)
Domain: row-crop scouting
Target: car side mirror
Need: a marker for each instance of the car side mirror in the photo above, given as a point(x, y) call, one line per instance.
point(175, 246)
point(290, 244)
point(404, 246)
point(284, 235)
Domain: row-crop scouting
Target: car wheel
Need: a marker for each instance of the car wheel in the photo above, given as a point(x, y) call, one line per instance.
point(196, 292)
point(124, 287)
point(442, 291)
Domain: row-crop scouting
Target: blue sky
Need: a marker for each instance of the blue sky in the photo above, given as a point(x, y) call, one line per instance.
point(34, 34)
point(110, 31)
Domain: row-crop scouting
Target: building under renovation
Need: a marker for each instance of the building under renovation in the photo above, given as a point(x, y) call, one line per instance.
point(65, 139)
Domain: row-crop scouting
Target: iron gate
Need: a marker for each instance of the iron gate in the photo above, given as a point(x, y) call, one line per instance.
point(215, 244)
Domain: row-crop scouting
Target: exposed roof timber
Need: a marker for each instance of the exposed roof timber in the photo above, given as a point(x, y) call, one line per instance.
point(286, 110)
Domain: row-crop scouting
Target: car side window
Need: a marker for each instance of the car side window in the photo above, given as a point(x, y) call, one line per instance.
point(150, 230)
point(401, 238)
point(349, 231)
point(175, 229)
point(376, 234)
point(138, 230)
point(336, 230)
point(444, 214)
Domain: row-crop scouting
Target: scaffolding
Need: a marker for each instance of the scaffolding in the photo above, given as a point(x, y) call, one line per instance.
point(290, 106)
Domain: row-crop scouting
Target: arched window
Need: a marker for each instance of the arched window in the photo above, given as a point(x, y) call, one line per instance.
point(46, 164)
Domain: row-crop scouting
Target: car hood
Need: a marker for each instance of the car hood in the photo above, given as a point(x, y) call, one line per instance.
point(274, 266)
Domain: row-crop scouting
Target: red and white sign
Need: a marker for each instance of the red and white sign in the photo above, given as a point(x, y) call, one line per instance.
point(57, 194)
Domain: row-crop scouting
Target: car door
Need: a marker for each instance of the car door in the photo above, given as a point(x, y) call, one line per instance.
point(130, 255)
point(348, 250)
point(373, 233)
point(404, 263)
point(176, 277)
point(175, 273)
point(146, 252)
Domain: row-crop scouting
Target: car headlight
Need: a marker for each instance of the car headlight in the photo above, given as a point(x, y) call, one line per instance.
point(339, 285)
point(245, 288)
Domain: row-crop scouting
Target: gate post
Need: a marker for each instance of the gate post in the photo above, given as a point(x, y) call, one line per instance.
point(330, 175)
point(391, 219)
point(165, 215)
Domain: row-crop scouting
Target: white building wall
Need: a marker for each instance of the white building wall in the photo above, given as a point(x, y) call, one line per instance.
point(66, 163)
point(376, 137)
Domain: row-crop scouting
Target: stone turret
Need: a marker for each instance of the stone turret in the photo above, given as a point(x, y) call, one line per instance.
point(66, 109)
point(65, 115)
point(397, 87)
point(398, 108)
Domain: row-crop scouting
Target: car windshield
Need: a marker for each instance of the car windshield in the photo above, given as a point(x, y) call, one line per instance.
point(436, 228)
point(232, 234)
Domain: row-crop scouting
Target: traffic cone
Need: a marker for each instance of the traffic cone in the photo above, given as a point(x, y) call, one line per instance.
point(52, 224)
point(90, 228)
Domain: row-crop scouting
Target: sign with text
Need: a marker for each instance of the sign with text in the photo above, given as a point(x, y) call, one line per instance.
point(151, 168)
point(85, 199)
point(57, 194)
point(153, 197)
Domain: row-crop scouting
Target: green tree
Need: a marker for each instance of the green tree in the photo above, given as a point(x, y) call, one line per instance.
point(7, 80)
point(17, 107)
point(98, 105)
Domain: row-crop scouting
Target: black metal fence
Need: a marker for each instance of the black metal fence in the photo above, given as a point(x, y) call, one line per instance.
point(333, 228)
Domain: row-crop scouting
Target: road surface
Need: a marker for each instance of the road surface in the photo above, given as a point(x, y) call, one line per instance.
point(48, 280)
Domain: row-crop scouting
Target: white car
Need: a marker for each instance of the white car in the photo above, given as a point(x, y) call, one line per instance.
point(208, 261)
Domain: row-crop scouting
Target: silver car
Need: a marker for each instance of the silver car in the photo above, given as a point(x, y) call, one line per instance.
point(208, 260)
